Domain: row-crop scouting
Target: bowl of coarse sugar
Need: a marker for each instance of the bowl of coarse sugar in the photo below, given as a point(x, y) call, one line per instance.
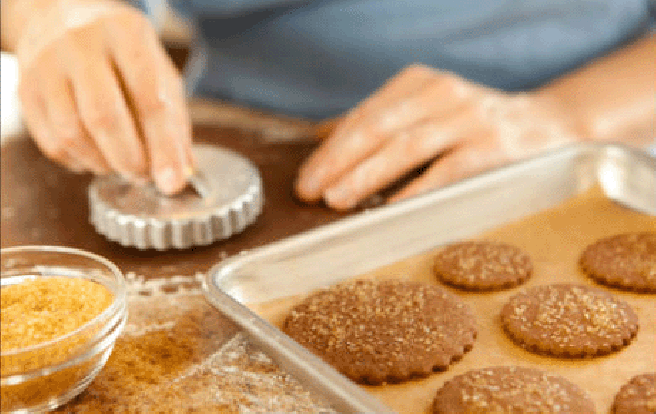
point(62, 310)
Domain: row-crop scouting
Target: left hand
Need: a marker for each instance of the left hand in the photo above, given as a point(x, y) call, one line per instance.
point(99, 92)
point(421, 115)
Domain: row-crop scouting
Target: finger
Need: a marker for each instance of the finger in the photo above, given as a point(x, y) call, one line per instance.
point(35, 115)
point(66, 126)
point(103, 109)
point(156, 90)
point(350, 143)
point(463, 161)
point(405, 151)
point(168, 135)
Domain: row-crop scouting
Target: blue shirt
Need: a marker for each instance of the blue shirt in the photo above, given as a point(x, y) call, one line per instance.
point(319, 58)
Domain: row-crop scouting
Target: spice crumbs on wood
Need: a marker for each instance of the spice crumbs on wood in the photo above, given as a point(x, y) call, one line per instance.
point(177, 354)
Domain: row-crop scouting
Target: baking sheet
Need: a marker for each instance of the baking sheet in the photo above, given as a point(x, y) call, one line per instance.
point(398, 240)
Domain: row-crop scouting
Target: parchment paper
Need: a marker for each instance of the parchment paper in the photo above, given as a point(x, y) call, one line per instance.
point(554, 239)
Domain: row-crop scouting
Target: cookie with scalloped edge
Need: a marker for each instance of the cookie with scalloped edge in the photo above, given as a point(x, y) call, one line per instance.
point(482, 265)
point(511, 389)
point(625, 261)
point(638, 396)
point(567, 320)
point(383, 331)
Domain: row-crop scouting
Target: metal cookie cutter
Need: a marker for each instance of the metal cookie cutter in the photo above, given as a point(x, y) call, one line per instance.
point(225, 197)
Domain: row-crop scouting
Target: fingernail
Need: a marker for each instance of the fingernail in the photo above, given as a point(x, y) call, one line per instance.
point(132, 178)
point(98, 170)
point(140, 181)
point(312, 182)
point(76, 168)
point(168, 180)
point(309, 185)
point(188, 171)
point(338, 197)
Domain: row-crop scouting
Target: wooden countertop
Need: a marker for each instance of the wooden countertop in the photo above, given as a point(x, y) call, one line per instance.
point(177, 353)
point(43, 204)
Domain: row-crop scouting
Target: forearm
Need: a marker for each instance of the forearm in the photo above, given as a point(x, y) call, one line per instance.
point(614, 97)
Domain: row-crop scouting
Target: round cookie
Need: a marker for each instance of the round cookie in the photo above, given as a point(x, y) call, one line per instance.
point(392, 330)
point(482, 265)
point(626, 261)
point(638, 396)
point(510, 390)
point(569, 320)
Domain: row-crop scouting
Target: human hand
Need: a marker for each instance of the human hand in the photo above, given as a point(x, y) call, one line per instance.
point(421, 115)
point(94, 79)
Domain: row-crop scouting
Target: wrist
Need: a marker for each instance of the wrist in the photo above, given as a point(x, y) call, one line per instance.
point(571, 116)
point(612, 98)
point(53, 19)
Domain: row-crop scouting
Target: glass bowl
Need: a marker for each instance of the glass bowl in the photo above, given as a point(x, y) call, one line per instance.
point(44, 376)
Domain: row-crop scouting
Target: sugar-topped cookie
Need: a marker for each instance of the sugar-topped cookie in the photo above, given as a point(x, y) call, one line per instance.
point(626, 261)
point(511, 390)
point(569, 320)
point(375, 332)
point(482, 265)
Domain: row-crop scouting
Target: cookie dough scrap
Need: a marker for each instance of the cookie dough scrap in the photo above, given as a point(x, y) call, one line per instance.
point(482, 265)
point(511, 389)
point(638, 396)
point(566, 320)
point(626, 261)
point(383, 331)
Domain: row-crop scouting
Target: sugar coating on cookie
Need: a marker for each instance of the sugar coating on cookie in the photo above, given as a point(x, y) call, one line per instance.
point(482, 265)
point(626, 261)
point(378, 331)
point(638, 396)
point(569, 320)
point(511, 390)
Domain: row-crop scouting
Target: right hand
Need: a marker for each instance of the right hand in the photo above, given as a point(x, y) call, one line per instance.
point(94, 78)
point(427, 117)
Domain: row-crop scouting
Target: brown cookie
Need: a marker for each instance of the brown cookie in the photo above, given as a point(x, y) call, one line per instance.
point(626, 261)
point(569, 320)
point(383, 331)
point(638, 396)
point(482, 265)
point(511, 390)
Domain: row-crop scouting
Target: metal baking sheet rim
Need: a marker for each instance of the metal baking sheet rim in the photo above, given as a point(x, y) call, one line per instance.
point(626, 175)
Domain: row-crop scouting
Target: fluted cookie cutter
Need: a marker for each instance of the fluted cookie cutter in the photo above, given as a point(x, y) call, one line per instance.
point(225, 197)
